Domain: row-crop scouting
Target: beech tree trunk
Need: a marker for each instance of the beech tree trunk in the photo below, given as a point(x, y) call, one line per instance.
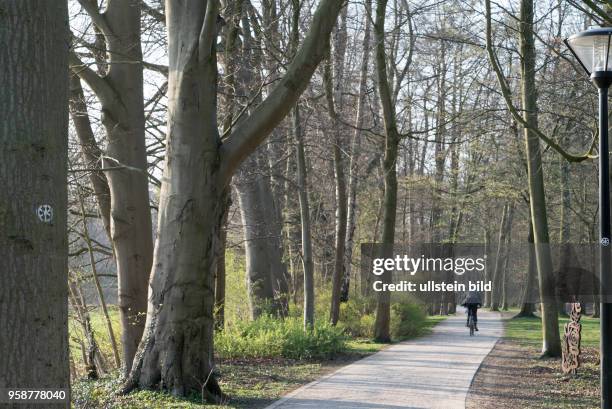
point(33, 206)
point(120, 92)
point(176, 351)
point(264, 266)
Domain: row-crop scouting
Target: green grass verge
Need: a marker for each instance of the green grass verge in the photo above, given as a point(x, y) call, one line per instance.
point(528, 331)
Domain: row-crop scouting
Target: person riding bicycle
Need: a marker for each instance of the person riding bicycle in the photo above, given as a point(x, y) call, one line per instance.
point(472, 302)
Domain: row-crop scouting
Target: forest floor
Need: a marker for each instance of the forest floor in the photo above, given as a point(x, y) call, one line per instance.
point(512, 375)
point(250, 383)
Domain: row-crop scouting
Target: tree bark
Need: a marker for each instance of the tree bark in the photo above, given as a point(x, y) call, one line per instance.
point(96, 280)
point(351, 217)
point(339, 176)
point(33, 169)
point(307, 256)
point(264, 266)
point(120, 93)
point(488, 276)
point(176, 352)
point(502, 255)
point(551, 344)
point(527, 307)
point(220, 276)
point(91, 152)
point(392, 139)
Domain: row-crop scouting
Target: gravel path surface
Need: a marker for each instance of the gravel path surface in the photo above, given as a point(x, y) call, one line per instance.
point(429, 372)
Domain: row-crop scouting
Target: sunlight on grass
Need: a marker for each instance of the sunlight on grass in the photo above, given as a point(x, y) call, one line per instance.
point(529, 330)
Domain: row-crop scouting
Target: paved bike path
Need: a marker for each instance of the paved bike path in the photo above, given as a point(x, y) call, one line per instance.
point(429, 372)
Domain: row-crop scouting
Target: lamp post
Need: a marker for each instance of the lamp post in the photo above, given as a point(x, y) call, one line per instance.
point(592, 50)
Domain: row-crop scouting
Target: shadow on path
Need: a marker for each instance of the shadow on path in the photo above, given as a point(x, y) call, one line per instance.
point(430, 372)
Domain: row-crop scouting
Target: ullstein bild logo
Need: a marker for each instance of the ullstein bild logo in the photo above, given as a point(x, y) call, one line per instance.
point(424, 269)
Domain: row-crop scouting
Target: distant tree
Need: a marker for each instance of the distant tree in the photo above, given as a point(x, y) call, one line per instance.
point(391, 143)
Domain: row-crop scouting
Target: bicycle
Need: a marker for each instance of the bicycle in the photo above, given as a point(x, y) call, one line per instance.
point(471, 324)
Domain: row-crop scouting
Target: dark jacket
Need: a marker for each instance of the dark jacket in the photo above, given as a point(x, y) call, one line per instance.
point(472, 297)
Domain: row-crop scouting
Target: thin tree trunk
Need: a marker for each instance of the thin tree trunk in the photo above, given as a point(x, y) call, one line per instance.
point(307, 256)
point(220, 276)
point(96, 279)
point(341, 200)
point(355, 155)
point(78, 304)
point(502, 255)
point(488, 277)
point(565, 226)
point(528, 307)
point(33, 206)
point(91, 152)
point(551, 344)
point(392, 139)
point(504, 296)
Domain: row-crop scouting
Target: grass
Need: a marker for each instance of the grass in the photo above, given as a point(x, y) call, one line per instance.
point(252, 384)
point(100, 329)
point(513, 375)
point(528, 331)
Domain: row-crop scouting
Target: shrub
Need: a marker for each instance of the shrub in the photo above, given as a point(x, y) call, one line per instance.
point(407, 320)
point(269, 337)
point(355, 319)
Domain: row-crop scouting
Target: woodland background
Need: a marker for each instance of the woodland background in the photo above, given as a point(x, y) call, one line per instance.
point(256, 145)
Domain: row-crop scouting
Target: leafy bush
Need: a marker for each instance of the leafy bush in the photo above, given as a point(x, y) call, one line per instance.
point(355, 318)
point(407, 320)
point(269, 337)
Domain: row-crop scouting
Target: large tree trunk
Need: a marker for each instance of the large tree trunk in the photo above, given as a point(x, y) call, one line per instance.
point(33, 206)
point(176, 352)
point(551, 344)
point(392, 138)
point(120, 93)
point(264, 266)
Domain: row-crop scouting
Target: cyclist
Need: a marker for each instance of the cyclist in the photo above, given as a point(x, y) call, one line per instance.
point(472, 302)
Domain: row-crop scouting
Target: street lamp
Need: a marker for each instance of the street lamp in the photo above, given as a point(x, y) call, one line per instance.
point(592, 50)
